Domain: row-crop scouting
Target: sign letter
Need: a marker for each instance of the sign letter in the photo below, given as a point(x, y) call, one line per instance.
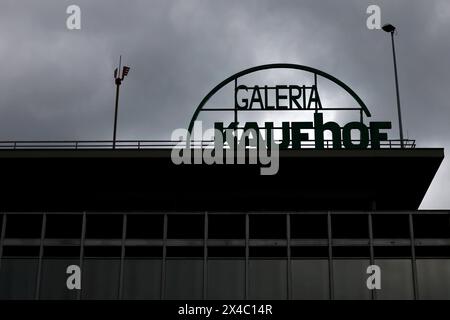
point(74, 280)
point(73, 21)
point(374, 280)
point(374, 20)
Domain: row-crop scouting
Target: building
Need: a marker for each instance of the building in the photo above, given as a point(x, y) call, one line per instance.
point(141, 227)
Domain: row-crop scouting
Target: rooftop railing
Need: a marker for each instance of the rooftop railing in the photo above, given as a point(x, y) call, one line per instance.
point(163, 144)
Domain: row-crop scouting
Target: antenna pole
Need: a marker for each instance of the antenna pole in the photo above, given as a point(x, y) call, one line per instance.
point(118, 82)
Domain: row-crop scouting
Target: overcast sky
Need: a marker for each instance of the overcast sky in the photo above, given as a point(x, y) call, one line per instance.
point(58, 84)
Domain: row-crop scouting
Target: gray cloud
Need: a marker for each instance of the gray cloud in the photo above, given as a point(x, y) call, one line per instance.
point(57, 84)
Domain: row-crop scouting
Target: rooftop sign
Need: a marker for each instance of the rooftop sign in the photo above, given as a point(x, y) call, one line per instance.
point(296, 97)
point(252, 142)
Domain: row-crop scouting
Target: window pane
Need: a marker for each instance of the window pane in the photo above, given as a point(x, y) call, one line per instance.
point(185, 226)
point(267, 279)
point(350, 279)
point(226, 226)
point(145, 226)
point(310, 279)
point(226, 279)
point(434, 278)
point(431, 226)
point(396, 279)
point(390, 225)
point(100, 278)
point(54, 278)
point(18, 278)
point(107, 226)
point(68, 226)
point(305, 226)
point(142, 279)
point(184, 279)
point(350, 226)
point(23, 226)
point(267, 226)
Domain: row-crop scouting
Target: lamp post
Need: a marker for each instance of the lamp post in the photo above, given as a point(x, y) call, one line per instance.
point(391, 29)
point(118, 81)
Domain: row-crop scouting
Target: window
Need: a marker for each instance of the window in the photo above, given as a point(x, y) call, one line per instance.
point(309, 226)
point(226, 279)
point(396, 279)
point(104, 226)
point(350, 279)
point(185, 226)
point(390, 226)
point(145, 226)
point(100, 273)
point(349, 226)
point(64, 226)
point(267, 279)
point(431, 226)
point(310, 279)
point(184, 279)
point(142, 278)
point(267, 226)
point(142, 273)
point(433, 276)
point(24, 226)
point(226, 226)
point(18, 272)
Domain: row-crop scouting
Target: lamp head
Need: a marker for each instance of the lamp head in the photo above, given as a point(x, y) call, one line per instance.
point(388, 28)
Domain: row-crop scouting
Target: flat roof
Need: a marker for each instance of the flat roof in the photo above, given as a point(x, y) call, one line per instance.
point(147, 180)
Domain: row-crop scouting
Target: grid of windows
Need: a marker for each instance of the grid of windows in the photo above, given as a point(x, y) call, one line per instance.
point(299, 255)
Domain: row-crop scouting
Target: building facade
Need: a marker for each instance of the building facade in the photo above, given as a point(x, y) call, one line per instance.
point(139, 226)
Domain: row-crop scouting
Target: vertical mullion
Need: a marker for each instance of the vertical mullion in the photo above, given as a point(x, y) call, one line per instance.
point(372, 254)
point(2, 238)
point(413, 257)
point(330, 258)
point(122, 254)
point(163, 262)
point(41, 252)
point(289, 264)
point(83, 236)
point(247, 235)
point(205, 257)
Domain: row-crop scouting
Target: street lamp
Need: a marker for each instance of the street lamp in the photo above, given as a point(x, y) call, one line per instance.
point(118, 80)
point(391, 29)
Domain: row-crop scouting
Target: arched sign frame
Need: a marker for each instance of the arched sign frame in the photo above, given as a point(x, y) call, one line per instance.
point(315, 72)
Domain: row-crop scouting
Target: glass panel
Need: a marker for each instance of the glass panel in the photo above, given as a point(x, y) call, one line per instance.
point(95, 226)
point(350, 226)
point(226, 226)
point(18, 278)
point(64, 226)
point(305, 226)
point(310, 279)
point(23, 226)
point(350, 279)
point(145, 226)
point(226, 279)
point(142, 279)
point(267, 226)
point(184, 279)
point(390, 226)
point(185, 226)
point(100, 278)
point(396, 279)
point(267, 279)
point(54, 278)
point(433, 276)
point(431, 226)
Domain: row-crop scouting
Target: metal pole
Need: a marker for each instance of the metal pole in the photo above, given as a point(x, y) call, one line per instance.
point(118, 82)
point(398, 94)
